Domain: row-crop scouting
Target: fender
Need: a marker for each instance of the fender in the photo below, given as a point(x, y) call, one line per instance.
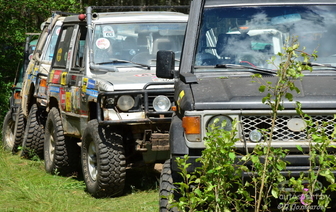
point(176, 137)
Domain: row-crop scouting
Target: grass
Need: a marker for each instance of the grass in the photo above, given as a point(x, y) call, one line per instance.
point(25, 187)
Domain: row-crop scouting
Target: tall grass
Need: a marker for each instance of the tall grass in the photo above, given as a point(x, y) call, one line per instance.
point(25, 187)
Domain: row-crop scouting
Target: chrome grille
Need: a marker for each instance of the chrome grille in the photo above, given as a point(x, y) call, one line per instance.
point(281, 131)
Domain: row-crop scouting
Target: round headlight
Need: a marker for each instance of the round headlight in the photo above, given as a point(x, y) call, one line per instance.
point(220, 122)
point(125, 102)
point(161, 103)
point(255, 136)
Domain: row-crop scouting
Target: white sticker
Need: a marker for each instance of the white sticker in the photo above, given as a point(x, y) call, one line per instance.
point(103, 43)
point(108, 32)
point(63, 35)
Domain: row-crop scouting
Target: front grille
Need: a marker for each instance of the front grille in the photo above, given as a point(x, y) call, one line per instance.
point(281, 131)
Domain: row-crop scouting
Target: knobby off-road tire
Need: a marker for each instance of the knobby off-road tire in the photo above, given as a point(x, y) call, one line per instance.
point(33, 139)
point(8, 129)
point(103, 161)
point(167, 188)
point(61, 153)
point(19, 128)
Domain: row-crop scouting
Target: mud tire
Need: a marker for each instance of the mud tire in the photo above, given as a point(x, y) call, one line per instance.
point(19, 129)
point(103, 161)
point(166, 188)
point(33, 139)
point(8, 129)
point(61, 153)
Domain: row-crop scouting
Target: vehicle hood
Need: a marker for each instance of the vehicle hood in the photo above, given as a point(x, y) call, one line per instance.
point(129, 80)
point(316, 92)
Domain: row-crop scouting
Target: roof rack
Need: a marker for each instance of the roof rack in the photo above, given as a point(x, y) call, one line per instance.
point(141, 8)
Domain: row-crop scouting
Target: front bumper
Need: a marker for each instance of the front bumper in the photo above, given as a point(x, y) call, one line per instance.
point(146, 115)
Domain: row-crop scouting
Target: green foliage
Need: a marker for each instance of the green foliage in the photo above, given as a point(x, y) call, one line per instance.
point(218, 184)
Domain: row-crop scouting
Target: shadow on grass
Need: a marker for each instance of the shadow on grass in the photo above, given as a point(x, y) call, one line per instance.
point(141, 178)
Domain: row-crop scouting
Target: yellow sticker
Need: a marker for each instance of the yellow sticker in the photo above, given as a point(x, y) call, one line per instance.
point(59, 54)
point(51, 75)
point(84, 86)
point(180, 97)
point(63, 78)
point(68, 101)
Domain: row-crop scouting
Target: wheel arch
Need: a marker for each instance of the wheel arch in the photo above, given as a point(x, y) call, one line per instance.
point(31, 99)
point(53, 102)
point(92, 110)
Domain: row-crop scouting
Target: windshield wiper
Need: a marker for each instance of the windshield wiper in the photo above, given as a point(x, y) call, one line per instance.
point(125, 61)
point(255, 69)
point(319, 64)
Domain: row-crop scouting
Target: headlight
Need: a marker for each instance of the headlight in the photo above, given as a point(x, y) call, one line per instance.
point(125, 102)
point(161, 103)
point(255, 136)
point(220, 122)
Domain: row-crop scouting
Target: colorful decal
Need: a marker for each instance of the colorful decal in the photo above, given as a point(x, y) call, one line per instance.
point(59, 54)
point(62, 98)
point(102, 43)
point(51, 75)
point(84, 86)
point(36, 69)
point(54, 89)
point(93, 93)
point(75, 92)
point(63, 35)
point(67, 101)
point(108, 32)
point(91, 83)
point(63, 78)
point(73, 80)
point(156, 79)
point(69, 54)
point(56, 76)
point(180, 97)
point(30, 56)
point(145, 75)
point(58, 31)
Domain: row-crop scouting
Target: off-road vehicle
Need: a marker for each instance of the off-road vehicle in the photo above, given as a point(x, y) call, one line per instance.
point(103, 94)
point(10, 141)
point(29, 124)
point(225, 43)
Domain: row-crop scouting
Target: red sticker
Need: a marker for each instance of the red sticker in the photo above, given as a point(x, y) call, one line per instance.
point(62, 98)
point(56, 77)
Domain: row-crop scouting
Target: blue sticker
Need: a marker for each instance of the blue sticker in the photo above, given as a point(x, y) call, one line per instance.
point(93, 93)
point(54, 89)
point(91, 83)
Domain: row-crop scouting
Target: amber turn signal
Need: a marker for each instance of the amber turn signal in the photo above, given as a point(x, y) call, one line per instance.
point(191, 124)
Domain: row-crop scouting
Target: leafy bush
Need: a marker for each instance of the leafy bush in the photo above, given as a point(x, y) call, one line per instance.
point(218, 184)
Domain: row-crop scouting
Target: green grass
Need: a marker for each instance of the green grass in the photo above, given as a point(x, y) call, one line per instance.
point(25, 187)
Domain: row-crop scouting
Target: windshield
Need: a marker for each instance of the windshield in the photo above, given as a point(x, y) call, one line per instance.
point(131, 44)
point(250, 36)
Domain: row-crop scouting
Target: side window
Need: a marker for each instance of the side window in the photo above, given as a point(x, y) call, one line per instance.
point(62, 48)
point(49, 53)
point(79, 48)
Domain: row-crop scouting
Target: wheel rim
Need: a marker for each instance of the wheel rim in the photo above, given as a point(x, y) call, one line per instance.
point(51, 146)
point(9, 134)
point(92, 161)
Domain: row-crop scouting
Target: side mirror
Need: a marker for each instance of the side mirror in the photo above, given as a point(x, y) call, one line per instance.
point(165, 64)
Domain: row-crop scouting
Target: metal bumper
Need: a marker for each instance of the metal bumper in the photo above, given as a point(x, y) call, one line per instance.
point(149, 115)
